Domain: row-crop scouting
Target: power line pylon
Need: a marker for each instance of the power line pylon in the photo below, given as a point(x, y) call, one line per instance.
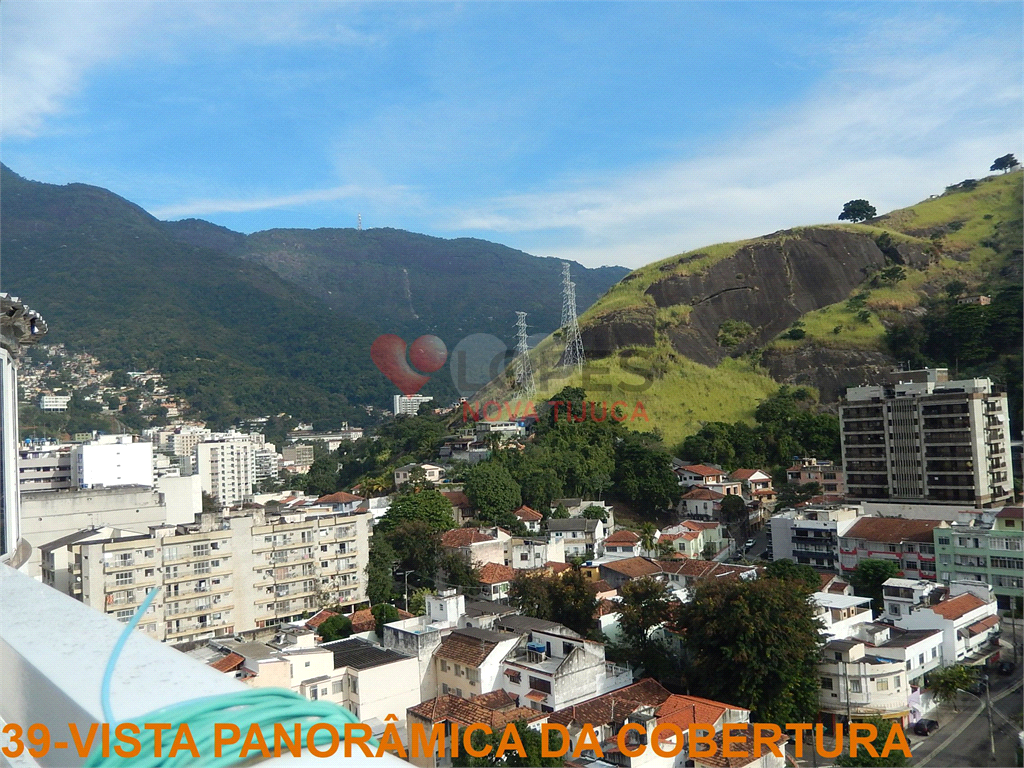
point(573, 356)
point(524, 384)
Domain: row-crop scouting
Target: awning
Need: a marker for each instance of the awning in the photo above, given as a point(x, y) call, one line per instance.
point(980, 626)
point(536, 696)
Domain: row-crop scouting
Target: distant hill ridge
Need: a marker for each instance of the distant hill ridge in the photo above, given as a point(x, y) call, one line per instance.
point(275, 321)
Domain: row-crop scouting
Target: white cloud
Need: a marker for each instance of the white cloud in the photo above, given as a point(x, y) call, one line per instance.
point(890, 129)
point(298, 199)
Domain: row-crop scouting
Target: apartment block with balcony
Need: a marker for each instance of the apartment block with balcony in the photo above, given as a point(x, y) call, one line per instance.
point(907, 543)
point(990, 552)
point(225, 574)
point(811, 535)
point(227, 469)
point(858, 682)
point(824, 472)
point(928, 439)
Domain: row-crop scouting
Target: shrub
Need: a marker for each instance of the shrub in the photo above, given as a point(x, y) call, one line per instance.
point(732, 332)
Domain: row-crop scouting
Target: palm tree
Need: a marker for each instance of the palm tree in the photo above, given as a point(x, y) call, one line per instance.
point(647, 533)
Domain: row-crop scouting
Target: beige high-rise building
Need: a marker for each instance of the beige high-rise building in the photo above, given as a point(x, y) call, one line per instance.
point(928, 439)
point(226, 573)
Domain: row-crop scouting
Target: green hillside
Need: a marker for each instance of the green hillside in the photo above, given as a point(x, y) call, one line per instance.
point(239, 338)
point(719, 328)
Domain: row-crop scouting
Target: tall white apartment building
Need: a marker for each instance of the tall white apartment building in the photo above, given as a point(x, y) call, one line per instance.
point(181, 441)
point(928, 439)
point(227, 469)
point(225, 574)
point(409, 405)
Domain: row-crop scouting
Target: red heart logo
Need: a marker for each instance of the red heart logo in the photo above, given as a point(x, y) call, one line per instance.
point(388, 354)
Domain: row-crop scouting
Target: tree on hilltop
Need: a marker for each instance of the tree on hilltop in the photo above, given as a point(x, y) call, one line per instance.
point(1004, 163)
point(857, 210)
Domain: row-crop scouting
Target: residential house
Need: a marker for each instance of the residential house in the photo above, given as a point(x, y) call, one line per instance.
point(478, 545)
point(582, 536)
point(531, 518)
point(366, 679)
point(986, 550)
point(906, 542)
point(856, 682)
point(839, 614)
point(495, 709)
point(468, 661)
point(622, 544)
point(576, 508)
point(700, 503)
point(966, 612)
point(824, 472)
point(752, 481)
point(529, 552)
point(495, 580)
point(431, 473)
point(694, 539)
point(462, 510)
point(341, 502)
point(649, 705)
point(553, 667)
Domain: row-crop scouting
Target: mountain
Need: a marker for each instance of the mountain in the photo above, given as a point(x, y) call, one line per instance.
point(270, 322)
point(703, 336)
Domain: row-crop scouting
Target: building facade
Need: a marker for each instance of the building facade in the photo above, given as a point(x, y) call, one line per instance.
point(226, 574)
point(928, 438)
point(228, 470)
point(991, 553)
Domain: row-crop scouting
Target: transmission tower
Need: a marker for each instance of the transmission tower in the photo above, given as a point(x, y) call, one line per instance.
point(524, 386)
point(359, 222)
point(573, 356)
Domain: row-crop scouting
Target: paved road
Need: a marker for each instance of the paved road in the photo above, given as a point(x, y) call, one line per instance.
point(963, 738)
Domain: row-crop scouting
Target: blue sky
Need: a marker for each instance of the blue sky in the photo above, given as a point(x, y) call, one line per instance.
point(608, 133)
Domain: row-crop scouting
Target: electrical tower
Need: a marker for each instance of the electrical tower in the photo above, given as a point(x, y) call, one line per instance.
point(573, 356)
point(524, 384)
point(359, 222)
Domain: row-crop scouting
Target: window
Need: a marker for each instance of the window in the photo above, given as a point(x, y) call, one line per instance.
point(882, 684)
point(894, 609)
point(458, 670)
point(826, 683)
point(855, 686)
point(943, 541)
point(524, 556)
point(935, 652)
point(124, 578)
point(444, 689)
point(473, 675)
point(540, 684)
point(444, 665)
point(567, 648)
point(125, 616)
point(920, 658)
point(1015, 563)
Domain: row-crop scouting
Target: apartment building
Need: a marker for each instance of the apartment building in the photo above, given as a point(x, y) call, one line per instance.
point(928, 438)
point(859, 681)
point(581, 536)
point(180, 441)
point(54, 402)
point(907, 543)
point(811, 535)
point(228, 470)
point(409, 405)
point(226, 573)
point(991, 552)
point(44, 468)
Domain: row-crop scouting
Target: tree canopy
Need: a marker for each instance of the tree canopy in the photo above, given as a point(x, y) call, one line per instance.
point(755, 644)
point(1004, 163)
point(335, 628)
point(857, 210)
point(868, 577)
point(427, 505)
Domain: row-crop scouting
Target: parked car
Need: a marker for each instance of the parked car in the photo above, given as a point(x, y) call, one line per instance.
point(1006, 667)
point(925, 727)
point(978, 687)
point(749, 544)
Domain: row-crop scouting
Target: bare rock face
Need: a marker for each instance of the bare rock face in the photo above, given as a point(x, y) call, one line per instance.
point(768, 283)
point(832, 371)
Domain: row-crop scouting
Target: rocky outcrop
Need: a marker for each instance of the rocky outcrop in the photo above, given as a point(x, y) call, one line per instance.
point(768, 283)
point(830, 370)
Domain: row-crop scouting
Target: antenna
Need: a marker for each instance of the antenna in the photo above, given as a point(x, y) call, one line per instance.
point(359, 222)
point(524, 386)
point(573, 357)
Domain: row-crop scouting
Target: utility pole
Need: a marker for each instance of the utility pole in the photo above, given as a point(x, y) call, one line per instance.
point(406, 575)
point(988, 710)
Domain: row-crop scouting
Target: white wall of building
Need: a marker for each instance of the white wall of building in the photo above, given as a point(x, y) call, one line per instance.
point(105, 465)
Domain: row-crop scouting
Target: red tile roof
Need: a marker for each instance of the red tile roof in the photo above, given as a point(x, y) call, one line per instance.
point(557, 567)
point(703, 494)
point(600, 586)
point(1017, 513)
point(980, 626)
point(957, 606)
point(619, 538)
point(745, 748)
point(363, 621)
point(745, 474)
point(339, 498)
point(633, 567)
point(228, 663)
point(703, 469)
point(496, 700)
point(465, 649)
point(463, 537)
point(528, 515)
point(892, 530)
point(317, 619)
point(453, 709)
point(496, 573)
point(599, 710)
point(457, 499)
